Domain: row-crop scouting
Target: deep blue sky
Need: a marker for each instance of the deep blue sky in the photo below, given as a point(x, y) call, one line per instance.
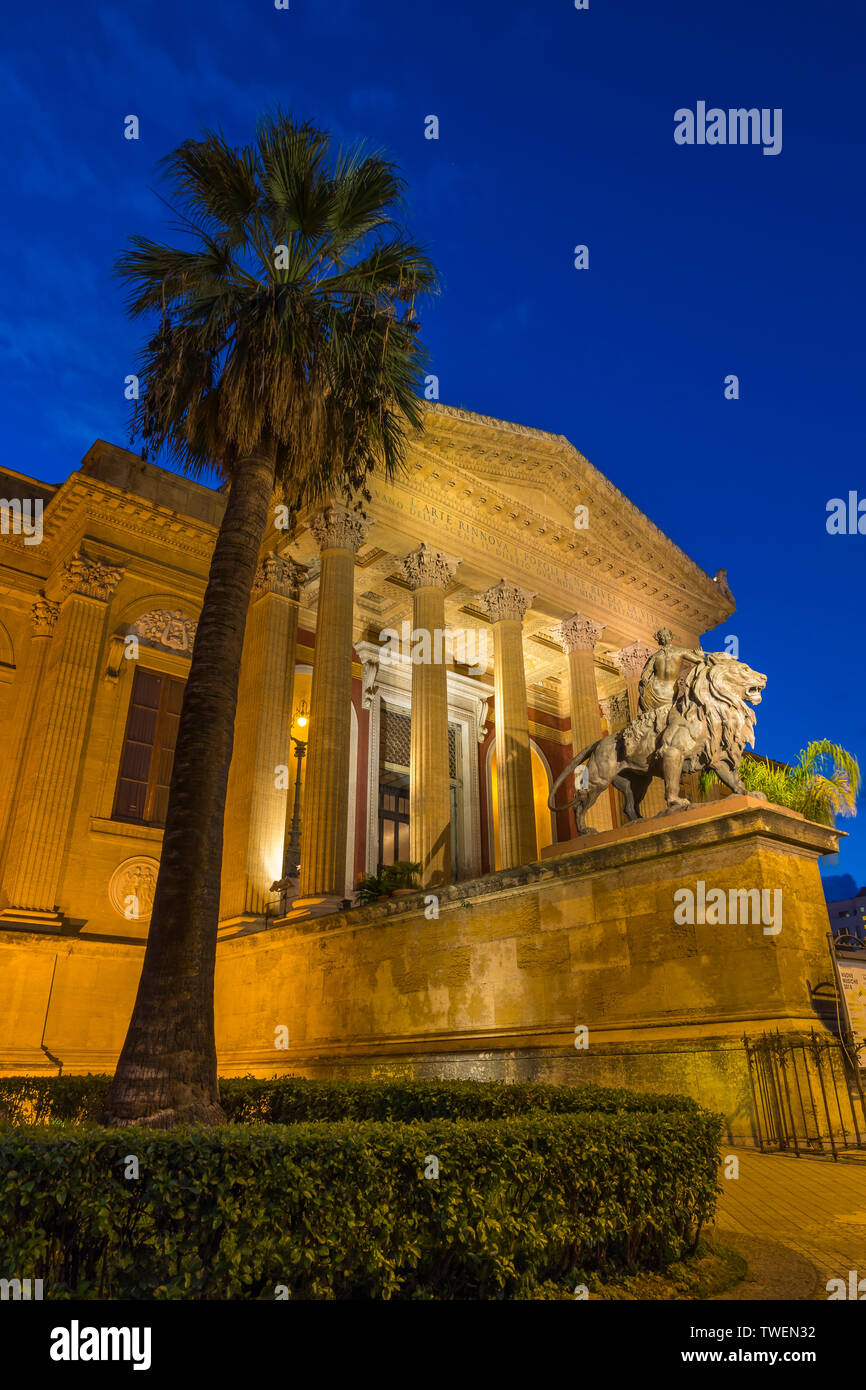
point(556, 128)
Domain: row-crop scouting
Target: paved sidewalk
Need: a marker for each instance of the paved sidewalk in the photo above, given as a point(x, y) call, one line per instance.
point(792, 1218)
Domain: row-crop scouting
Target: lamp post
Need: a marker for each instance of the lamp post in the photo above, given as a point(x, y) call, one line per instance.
point(287, 885)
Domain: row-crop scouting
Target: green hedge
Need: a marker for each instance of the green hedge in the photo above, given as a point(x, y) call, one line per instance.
point(344, 1210)
point(289, 1100)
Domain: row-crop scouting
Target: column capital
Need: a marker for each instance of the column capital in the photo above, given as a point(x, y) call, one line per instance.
point(632, 659)
point(336, 528)
point(615, 710)
point(506, 600)
point(89, 578)
point(425, 567)
point(578, 634)
point(277, 575)
point(44, 617)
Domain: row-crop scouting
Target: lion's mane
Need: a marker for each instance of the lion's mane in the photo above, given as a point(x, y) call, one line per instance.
point(714, 689)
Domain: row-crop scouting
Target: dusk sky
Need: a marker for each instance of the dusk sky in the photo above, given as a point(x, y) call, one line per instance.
point(556, 128)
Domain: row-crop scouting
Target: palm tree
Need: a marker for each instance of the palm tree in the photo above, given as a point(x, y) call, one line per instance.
point(284, 355)
point(822, 785)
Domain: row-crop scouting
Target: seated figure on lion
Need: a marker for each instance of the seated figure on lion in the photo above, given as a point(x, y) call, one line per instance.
point(694, 716)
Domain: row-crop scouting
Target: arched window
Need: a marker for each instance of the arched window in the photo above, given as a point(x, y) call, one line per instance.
point(541, 784)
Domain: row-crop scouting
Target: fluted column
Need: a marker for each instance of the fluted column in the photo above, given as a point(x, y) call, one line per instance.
point(51, 763)
point(255, 815)
point(506, 606)
point(325, 815)
point(25, 693)
point(616, 714)
point(428, 573)
point(631, 661)
point(579, 635)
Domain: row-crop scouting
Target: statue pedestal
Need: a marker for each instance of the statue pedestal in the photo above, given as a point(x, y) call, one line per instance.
point(613, 932)
point(618, 933)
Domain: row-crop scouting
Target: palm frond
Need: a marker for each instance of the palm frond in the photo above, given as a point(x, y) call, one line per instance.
point(320, 357)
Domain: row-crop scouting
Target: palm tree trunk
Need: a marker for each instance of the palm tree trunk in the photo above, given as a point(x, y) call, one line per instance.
point(167, 1072)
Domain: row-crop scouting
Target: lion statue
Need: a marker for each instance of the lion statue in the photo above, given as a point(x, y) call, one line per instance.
point(707, 725)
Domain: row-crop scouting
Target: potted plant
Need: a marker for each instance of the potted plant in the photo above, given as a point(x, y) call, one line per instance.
point(399, 879)
point(370, 889)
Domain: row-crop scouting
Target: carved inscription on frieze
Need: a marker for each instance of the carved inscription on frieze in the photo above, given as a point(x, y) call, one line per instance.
point(481, 539)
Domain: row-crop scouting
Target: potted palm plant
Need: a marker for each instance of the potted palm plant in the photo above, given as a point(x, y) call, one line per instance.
point(399, 879)
point(370, 889)
point(822, 785)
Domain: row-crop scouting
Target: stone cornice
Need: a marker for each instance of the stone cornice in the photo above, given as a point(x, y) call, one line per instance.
point(82, 502)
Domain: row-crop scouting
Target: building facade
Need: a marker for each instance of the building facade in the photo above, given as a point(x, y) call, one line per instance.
point(848, 917)
point(487, 617)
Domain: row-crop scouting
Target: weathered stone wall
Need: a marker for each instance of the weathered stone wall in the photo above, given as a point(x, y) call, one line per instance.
point(496, 985)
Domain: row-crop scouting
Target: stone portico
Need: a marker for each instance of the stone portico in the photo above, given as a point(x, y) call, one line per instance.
point(545, 582)
point(485, 618)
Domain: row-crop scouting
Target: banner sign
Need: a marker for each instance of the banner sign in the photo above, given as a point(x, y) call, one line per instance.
point(851, 973)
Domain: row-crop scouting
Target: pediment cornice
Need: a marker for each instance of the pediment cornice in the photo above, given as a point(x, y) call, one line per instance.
point(626, 548)
point(82, 502)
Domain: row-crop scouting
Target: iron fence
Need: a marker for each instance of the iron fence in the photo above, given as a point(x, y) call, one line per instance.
point(807, 1094)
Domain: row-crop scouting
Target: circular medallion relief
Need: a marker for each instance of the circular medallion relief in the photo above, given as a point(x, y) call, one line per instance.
point(132, 886)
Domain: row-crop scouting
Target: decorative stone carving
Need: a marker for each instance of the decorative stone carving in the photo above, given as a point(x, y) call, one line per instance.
point(428, 568)
point(336, 528)
point(277, 575)
point(90, 578)
point(578, 633)
point(708, 725)
point(132, 887)
point(615, 710)
point(482, 712)
point(369, 682)
point(506, 600)
point(116, 648)
point(632, 659)
point(45, 615)
point(165, 628)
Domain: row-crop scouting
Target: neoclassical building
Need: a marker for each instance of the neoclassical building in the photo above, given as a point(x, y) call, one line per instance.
point(539, 587)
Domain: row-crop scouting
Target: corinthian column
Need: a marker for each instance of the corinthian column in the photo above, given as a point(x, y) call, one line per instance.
point(506, 606)
point(631, 661)
point(428, 574)
point(255, 813)
point(55, 745)
point(579, 635)
point(325, 817)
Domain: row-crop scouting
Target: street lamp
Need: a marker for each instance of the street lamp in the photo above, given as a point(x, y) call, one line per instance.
point(288, 883)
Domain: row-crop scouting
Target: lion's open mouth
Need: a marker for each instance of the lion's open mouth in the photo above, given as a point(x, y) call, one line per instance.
point(753, 694)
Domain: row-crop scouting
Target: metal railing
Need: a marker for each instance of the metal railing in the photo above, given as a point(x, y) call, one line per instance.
point(807, 1094)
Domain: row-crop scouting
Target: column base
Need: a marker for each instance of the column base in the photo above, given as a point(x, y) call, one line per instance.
point(239, 926)
point(30, 919)
point(320, 905)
